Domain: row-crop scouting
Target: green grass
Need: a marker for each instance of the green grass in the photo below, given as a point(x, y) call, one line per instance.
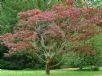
point(53, 73)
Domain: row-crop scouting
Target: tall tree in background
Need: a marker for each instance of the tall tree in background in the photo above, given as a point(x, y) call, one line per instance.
point(10, 8)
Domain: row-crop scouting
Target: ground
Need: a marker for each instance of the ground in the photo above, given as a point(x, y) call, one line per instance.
point(53, 73)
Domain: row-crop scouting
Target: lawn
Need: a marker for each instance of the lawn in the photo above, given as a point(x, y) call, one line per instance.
point(53, 73)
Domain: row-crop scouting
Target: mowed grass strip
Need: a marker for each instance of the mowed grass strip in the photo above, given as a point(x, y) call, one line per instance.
point(53, 73)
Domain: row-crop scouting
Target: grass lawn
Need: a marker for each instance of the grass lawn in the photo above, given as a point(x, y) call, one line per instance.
point(53, 73)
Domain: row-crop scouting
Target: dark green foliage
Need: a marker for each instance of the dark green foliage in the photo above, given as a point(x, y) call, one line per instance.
point(4, 64)
point(10, 8)
point(19, 61)
point(3, 49)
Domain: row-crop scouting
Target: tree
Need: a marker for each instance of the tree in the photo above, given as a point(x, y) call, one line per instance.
point(10, 8)
point(48, 33)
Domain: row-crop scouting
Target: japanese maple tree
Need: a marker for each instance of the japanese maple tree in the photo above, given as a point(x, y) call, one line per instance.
point(47, 33)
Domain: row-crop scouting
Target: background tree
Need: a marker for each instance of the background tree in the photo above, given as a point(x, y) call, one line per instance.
point(10, 8)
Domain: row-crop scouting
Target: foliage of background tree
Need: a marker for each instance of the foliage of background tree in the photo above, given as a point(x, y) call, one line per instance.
point(10, 8)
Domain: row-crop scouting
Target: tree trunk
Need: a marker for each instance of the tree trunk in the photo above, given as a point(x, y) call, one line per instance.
point(47, 69)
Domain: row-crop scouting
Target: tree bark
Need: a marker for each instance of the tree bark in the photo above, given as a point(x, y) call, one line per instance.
point(47, 69)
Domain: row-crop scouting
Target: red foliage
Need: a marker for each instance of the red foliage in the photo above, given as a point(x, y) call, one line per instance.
point(29, 13)
point(54, 31)
point(85, 49)
point(61, 22)
point(89, 15)
point(24, 37)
